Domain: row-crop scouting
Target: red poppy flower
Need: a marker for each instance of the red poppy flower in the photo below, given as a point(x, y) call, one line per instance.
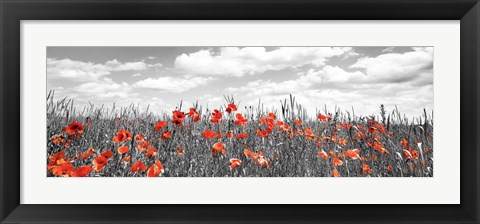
point(335, 173)
point(74, 128)
point(59, 158)
point(263, 162)
point(242, 135)
point(122, 149)
point(377, 146)
point(160, 125)
point(248, 153)
point(285, 127)
point(193, 113)
point(56, 159)
point(218, 148)
point(86, 155)
point(235, 163)
point(309, 134)
point(63, 170)
point(272, 116)
point(178, 114)
point(155, 170)
point(138, 166)
point(360, 135)
point(361, 127)
point(151, 152)
point(58, 139)
point(381, 129)
point(407, 154)
point(322, 154)
point(308, 131)
point(142, 146)
point(209, 134)
point(331, 153)
point(178, 117)
point(369, 143)
point(68, 142)
point(229, 134)
point(297, 122)
point(107, 154)
point(404, 143)
point(324, 117)
point(240, 120)
point(196, 118)
point(384, 151)
point(353, 153)
point(231, 107)
point(346, 126)
point(139, 137)
point(216, 116)
point(127, 159)
point(262, 133)
point(342, 141)
point(99, 163)
point(263, 120)
point(166, 135)
point(122, 136)
point(299, 131)
point(415, 154)
point(82, 171)
point(337, 162)
point(366, 169)
point(389, 168)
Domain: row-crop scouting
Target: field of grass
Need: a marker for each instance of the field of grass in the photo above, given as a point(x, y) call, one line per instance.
point(193, 141)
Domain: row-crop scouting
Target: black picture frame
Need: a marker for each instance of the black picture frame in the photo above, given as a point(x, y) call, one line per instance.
point(13, 11)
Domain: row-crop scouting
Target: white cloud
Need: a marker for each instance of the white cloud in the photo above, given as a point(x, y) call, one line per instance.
point(116, 65)
point(103, 91)
point(328, 77)
point(209, 101)
point(333, 86)
point(172, 84)
point(425, 49)
point(151, 57)
point(158, 105)
point(87, 71)
point(156, 65)
point(410, 101)
point(402, 79)
point(75, 70)
point(388, 49)
point(350, 54)
point(234, 61)
point(395, 67)
point(103, 88)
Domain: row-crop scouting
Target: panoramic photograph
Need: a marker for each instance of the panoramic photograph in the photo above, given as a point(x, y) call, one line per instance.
point(239, 111)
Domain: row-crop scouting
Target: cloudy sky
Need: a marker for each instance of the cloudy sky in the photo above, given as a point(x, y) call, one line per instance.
point(358, 77)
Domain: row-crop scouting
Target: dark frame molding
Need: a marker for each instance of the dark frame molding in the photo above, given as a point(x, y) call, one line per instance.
point(13, 11)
